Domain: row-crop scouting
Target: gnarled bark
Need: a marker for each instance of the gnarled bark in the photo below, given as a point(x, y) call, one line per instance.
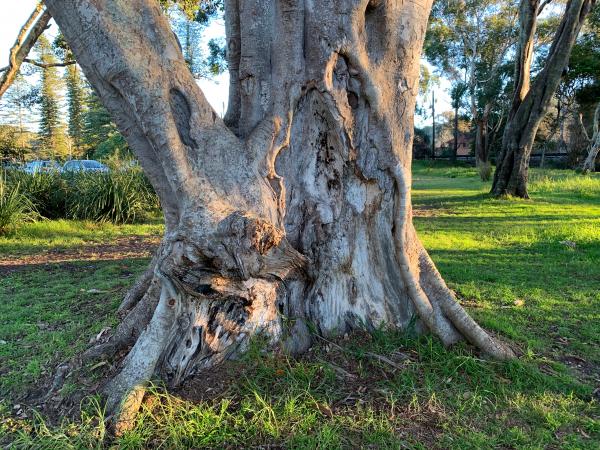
point(531, 101)
point(298, 211)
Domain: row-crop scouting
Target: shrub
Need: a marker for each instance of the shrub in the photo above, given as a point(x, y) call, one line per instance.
point(47, 191)
point(116, 196)
point(15, 207)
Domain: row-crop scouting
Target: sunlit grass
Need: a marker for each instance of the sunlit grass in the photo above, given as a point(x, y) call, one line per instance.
point(48, 234)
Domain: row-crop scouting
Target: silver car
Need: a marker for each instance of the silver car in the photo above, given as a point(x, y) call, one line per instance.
point(34, 167)
point(84, 165)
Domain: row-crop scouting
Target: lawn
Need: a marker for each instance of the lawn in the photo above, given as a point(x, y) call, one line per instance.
point(526, 269)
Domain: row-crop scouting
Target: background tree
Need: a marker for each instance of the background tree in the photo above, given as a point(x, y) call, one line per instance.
point(76, 108)
point(469, 42)
point(52, 130)
point(584, 74)
point(76, 96)
point(531, 101)
point(100, 136)
point(15, 111)
point(189, 22)
point(294, 210)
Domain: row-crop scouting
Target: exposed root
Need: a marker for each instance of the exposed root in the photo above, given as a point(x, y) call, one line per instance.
point(129, 328)
point(138, 290)
point(457, 315)
point(432, 299)
point(140, 363)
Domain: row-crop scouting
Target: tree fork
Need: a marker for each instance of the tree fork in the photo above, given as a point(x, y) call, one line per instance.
point(28, 35)
point(531, 101)
point(295, 208)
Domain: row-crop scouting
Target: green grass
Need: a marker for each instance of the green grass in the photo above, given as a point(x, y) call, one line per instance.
point(50, 314)
point(36, 237)
point(494, 253)
point(505, 260)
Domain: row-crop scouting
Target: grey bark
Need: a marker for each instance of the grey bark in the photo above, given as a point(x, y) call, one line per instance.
point(298, 211)
point(28, 35)
point(531, 101)
point(589, 165)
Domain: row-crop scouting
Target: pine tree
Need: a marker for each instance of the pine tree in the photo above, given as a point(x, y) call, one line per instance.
point(52, 132)
point(76, 105)
point(100, 136)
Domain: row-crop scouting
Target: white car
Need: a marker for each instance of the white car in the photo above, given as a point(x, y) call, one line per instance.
point(84, 165)
point(34, 167)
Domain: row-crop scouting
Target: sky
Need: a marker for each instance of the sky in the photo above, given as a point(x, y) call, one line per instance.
point(216, 90)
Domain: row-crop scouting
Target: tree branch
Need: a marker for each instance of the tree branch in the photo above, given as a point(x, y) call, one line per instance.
point(543, 5)
point(47, 66)
point(27, 37)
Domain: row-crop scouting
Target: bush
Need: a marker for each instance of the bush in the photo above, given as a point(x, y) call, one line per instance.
point(116, 196)
point(15, 207)
point(47, 191)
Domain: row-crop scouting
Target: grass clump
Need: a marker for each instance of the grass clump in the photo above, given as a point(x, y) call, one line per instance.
point(47, 191)
point(117, 196)
point(15, 207)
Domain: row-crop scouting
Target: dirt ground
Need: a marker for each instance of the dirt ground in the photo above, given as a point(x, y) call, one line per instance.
point(122, 248)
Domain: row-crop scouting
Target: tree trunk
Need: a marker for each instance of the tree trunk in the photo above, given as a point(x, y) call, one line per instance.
point(481, 141)
point(589, 165)
point(455, 146)
point(26, 39)
point(530, 104)
point(296, 211)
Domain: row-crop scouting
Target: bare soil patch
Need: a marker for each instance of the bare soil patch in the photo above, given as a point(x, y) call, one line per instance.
point(130, 247)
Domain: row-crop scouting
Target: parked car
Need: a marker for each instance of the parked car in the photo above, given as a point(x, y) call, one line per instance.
point(34, 167)
point(84, 165)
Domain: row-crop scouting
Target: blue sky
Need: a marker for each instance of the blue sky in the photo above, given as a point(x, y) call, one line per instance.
point(216, 91)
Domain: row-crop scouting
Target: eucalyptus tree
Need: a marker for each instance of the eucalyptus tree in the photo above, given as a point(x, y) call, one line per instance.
point(470, 41)
point(584, 74)
point(531, 100)
point(293, 210)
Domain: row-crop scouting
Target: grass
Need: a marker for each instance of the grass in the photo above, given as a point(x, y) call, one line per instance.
point(69, 234)
point(525, 269)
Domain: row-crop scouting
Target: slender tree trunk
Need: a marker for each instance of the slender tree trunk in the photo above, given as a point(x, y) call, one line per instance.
point(455, 147)
point(432, 124)
point(481, 140)
point(27, 37)
point(296, 211)
point(530, 103)
point(589, 165)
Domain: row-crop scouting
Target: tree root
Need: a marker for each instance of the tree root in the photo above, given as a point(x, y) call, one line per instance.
point(434, 301)
point(137, 291)
point(129, 329)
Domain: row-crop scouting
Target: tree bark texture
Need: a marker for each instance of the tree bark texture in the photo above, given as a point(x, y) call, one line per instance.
point(531, 101)
point(295, 208)
point(589, 165)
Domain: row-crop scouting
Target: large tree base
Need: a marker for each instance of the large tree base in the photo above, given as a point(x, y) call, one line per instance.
point(174, 333)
